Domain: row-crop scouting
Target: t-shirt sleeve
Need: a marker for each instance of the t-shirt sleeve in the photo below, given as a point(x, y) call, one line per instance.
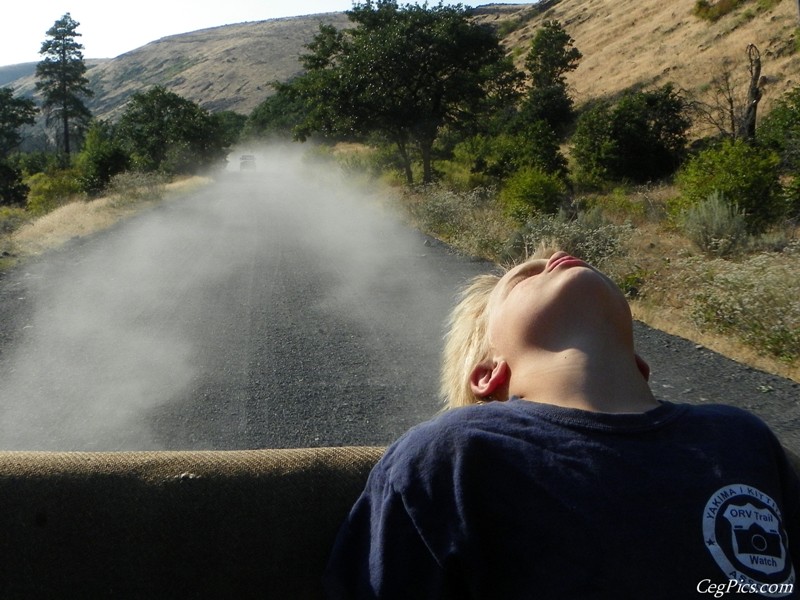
point(379, 552)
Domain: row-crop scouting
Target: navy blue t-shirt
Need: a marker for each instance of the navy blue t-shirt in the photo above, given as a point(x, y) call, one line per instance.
point(519, 499)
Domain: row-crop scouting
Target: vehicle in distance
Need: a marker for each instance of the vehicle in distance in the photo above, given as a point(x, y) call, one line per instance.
point(247, 162)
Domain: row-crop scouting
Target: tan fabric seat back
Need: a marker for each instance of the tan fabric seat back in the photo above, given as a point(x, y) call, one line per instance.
point(253, 524)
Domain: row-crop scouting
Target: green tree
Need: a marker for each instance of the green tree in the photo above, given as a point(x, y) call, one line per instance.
point(162, 131)
point(552, 55)
point(14, 113)
point(232, 125)
point(650, 128)
point(531, 191)
point(403, 73)
point(594, 147)
point(100, 159)
point(641, 138)
point(780, 130)
point(746, 176)
point(498, 156)
point(62, 81)
point(279, 115)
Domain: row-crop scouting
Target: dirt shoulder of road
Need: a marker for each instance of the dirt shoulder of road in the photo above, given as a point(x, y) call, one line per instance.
point(82, 218)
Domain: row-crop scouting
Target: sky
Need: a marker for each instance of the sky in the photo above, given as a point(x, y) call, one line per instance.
point(109, 29)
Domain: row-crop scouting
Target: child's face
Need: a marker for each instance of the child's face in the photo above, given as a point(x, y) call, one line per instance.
point(543, 303)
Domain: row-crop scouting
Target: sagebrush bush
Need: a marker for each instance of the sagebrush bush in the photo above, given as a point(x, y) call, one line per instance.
point(619, 205)
point(712, 12)
point(471, 221)
point(356, 165)
point(791, 196)
point(133, 186)
point(716, 227)
point(48, 191)
point(756, 301)
point(595, 243)
point(12, 218)
point(531, 191)
point(747, 176)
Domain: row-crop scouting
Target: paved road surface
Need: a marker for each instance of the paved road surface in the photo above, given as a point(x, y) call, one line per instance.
point(272, 309)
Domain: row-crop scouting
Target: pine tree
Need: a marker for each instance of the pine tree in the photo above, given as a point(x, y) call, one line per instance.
point(551, 57)
point(62, 81)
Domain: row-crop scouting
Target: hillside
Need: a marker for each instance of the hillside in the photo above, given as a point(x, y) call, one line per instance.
point(222, 68)
point(625, 43)
point(636, 43)
point(10, 74)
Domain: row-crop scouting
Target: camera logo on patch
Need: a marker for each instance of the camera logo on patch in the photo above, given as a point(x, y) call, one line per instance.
point(744, 533)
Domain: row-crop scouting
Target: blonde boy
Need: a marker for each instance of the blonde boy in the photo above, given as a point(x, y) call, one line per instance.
point(559, 475)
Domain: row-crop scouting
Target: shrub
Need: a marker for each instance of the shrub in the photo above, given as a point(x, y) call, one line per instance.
point(597, 244)
point(48, 191)
point(100, 158)
point(791, 195)
point(530, 191)
point(483, 160)
point(712, 12)
point(36, 162)
point(746, 176)
point(717, 227)
point(756, 301)
point(593, 146)
point(12, 218)
point(470, 221)
point(780, 129)
point(642, 138)
point(620, 205)
point(12, 190)
point(132, 186)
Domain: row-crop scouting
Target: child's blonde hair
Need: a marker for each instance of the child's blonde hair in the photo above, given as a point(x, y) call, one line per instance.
point(466, 339)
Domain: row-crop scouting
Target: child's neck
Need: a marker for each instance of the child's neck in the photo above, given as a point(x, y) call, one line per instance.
point(592, 381)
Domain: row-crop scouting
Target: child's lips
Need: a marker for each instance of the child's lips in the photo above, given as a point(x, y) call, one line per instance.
point(565, 261)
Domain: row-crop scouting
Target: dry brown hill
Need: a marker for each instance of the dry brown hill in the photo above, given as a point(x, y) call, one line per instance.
point(222, 68)
point(625, 44)
point(634, 43)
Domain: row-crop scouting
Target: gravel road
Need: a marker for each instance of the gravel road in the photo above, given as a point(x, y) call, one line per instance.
point(272, 309)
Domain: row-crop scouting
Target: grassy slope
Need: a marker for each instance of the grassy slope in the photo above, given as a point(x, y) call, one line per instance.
point(222, 68)
point(631, 43)
point(625, 43)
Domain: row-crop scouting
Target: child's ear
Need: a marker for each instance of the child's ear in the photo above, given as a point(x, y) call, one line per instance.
point(643, 367)
point(488, 377)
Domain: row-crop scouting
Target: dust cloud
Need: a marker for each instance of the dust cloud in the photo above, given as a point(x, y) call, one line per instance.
point(108, 331)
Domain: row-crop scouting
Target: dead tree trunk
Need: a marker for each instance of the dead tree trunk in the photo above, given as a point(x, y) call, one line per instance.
point(747, 128)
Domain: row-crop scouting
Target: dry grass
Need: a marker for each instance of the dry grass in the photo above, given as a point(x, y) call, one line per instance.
point(747, 308)
point(633, 43)
point(69, 221)
point(78, 219)
point(675, 321)
point(671, 280)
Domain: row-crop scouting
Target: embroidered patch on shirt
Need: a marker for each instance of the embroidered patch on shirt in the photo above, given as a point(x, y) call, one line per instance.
point(744, 533)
